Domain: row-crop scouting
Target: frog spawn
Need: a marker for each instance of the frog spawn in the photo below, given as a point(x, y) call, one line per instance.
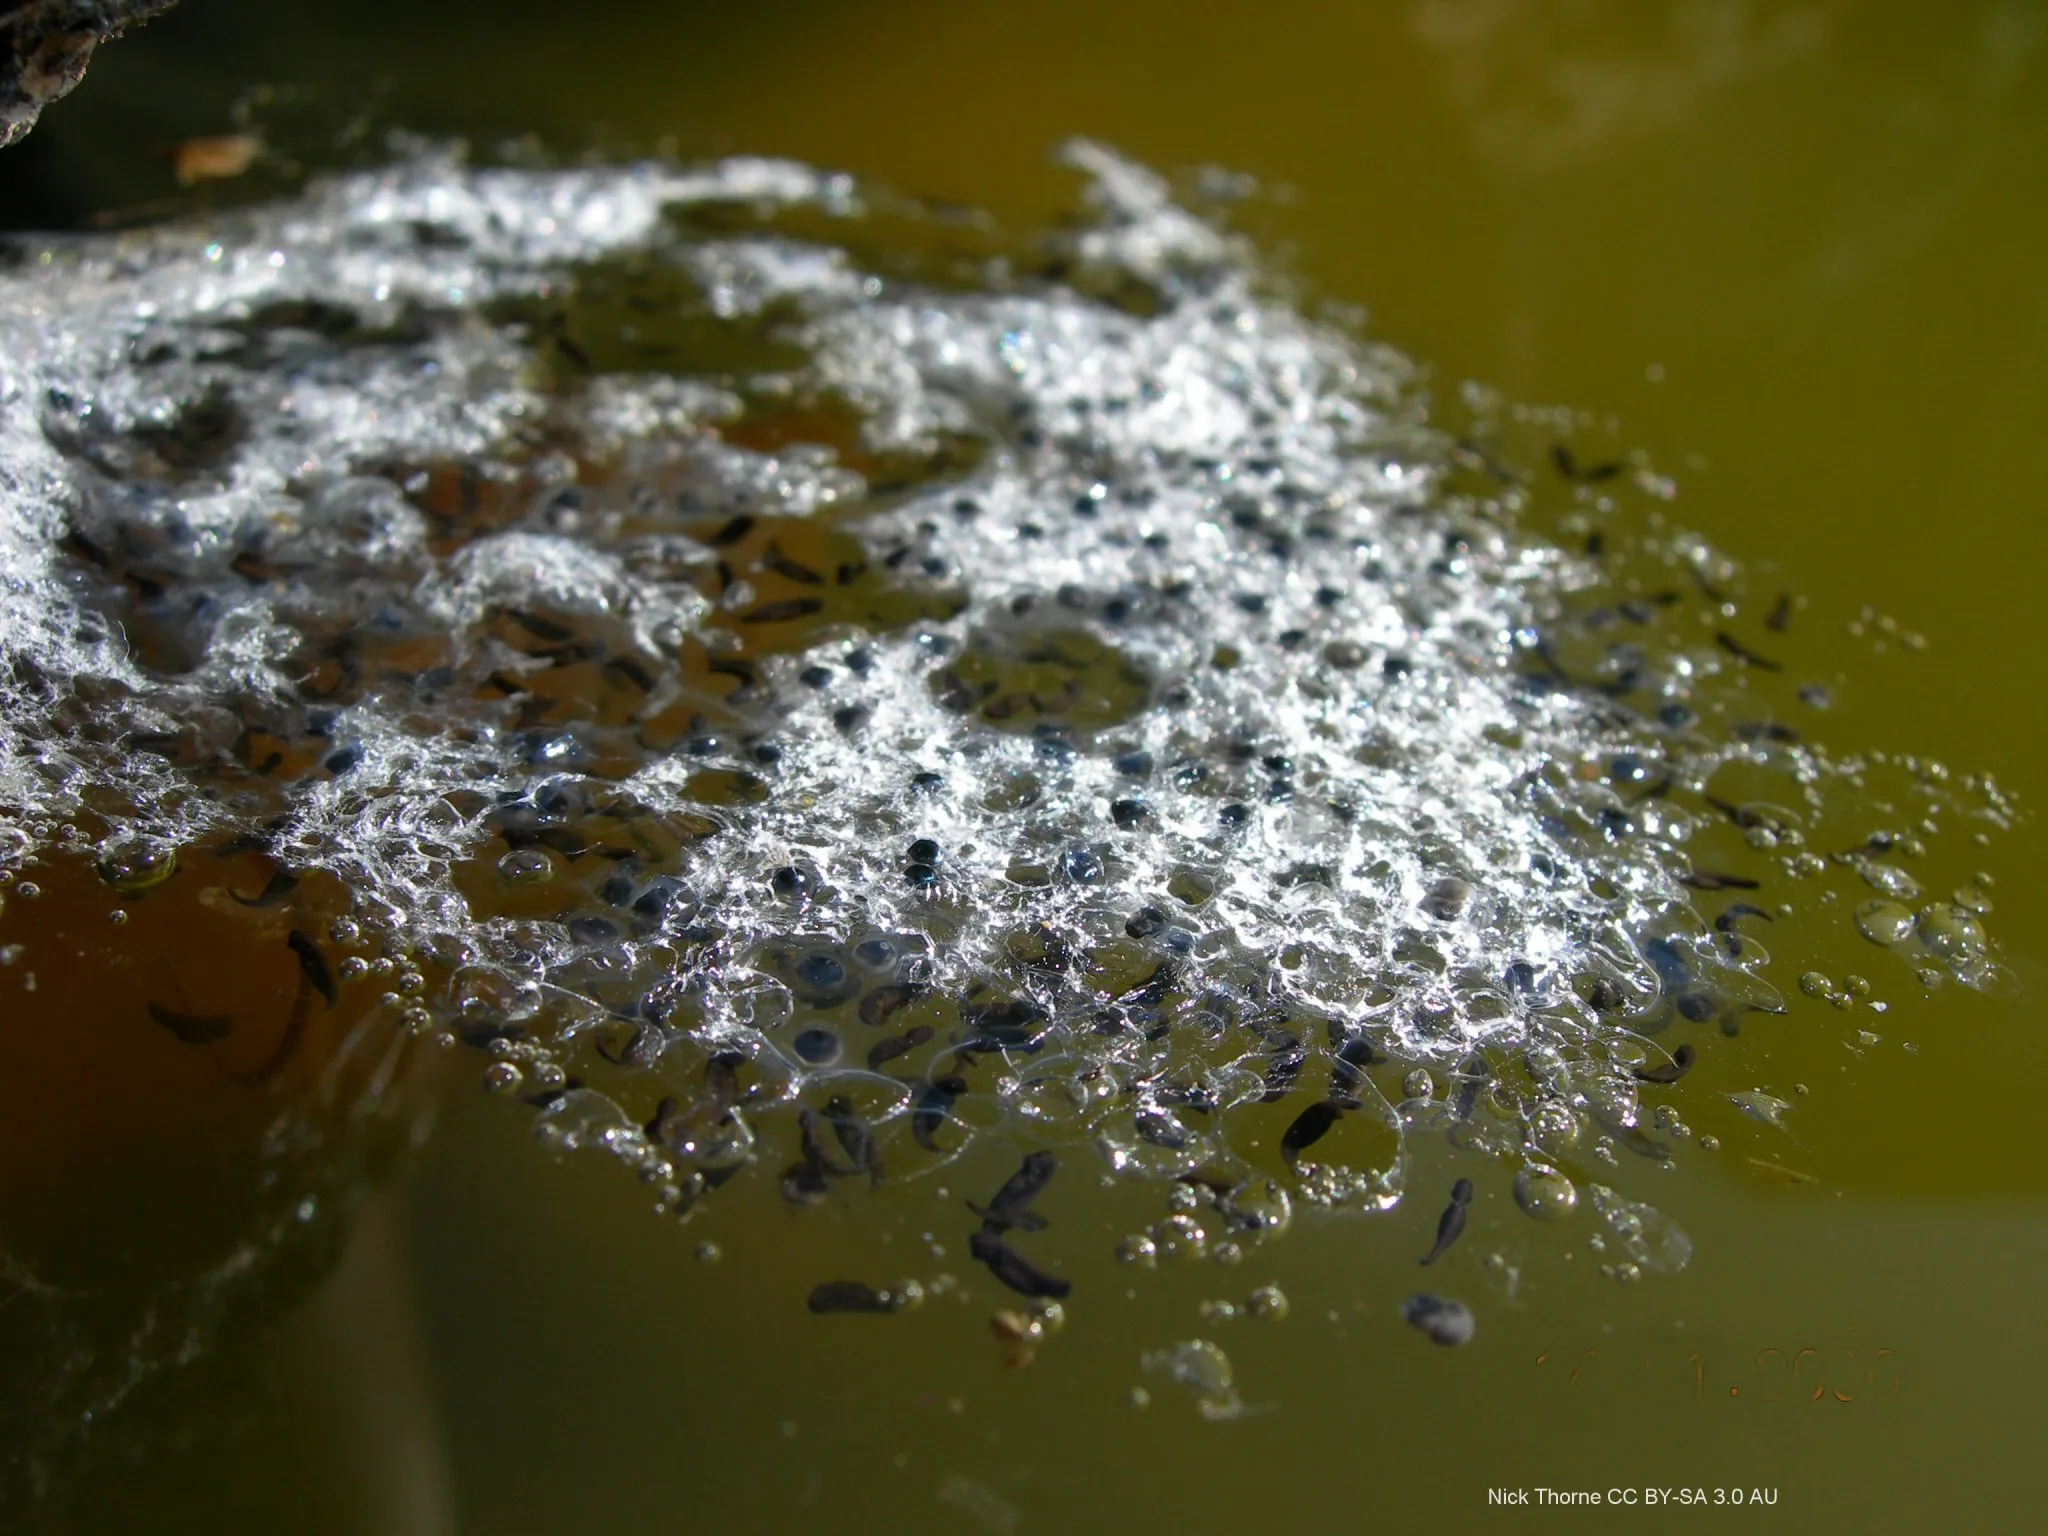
point(1089, 703)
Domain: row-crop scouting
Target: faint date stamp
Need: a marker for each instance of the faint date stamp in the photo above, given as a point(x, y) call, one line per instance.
point(1810, 1374)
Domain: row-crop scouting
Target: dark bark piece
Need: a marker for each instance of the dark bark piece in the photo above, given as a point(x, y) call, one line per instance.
point(45, 46)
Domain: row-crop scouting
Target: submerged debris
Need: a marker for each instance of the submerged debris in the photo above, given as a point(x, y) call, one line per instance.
point(1439, 1320)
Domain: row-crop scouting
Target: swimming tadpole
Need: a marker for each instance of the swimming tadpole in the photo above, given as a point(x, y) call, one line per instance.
point(314, 965)
point(1680, 1064)
point(855, 1138)
point(192, 1028)
point(1014, 1270)
point(934, 1108)
point(1452, 1222)
point(853, 1296)
point(1011, 1207)
point(1309, 1127)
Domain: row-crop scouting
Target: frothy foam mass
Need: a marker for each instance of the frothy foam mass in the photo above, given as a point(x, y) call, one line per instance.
point(772, 658)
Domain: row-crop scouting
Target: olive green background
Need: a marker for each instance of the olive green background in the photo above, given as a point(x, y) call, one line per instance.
point(1798, 253)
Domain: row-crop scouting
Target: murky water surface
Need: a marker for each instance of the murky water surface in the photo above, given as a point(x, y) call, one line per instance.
point(820, 689)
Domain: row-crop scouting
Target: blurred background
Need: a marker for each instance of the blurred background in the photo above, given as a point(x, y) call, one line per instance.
point(1798, 252)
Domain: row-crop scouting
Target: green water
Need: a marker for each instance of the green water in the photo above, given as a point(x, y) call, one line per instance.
point(1797, 253)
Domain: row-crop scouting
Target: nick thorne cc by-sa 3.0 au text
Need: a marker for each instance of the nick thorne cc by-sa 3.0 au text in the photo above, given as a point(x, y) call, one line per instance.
point(1684, 1498)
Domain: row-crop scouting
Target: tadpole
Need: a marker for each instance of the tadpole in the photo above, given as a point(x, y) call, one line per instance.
point(934, 1106)
point(850, 1296)
point(313, 965)
point(192, 1028)
point(1309, 1127)
point(1013, 1269)
point(1011, 1206)
point(1680, 1064)
point(1452, 1222)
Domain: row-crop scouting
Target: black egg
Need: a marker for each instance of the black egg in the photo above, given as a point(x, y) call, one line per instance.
point(816, 1047)
point(821, 971)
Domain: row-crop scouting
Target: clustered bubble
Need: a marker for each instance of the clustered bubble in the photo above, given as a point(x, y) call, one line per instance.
point(794, 709)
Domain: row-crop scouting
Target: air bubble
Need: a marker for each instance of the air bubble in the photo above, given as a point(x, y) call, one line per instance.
point(1544, 1193)
point(1889, 879)
point(1556, 1127)
point(132, 865)
point(1950, 933)
point(1881, 922)
point(526, 866)
point(1179, 1236)
point(1762, 1106)
point(1258, 1206)
point(1649, 1237)
point(1138, 1249)
point(1267, 1303)
point(1205, 1371)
